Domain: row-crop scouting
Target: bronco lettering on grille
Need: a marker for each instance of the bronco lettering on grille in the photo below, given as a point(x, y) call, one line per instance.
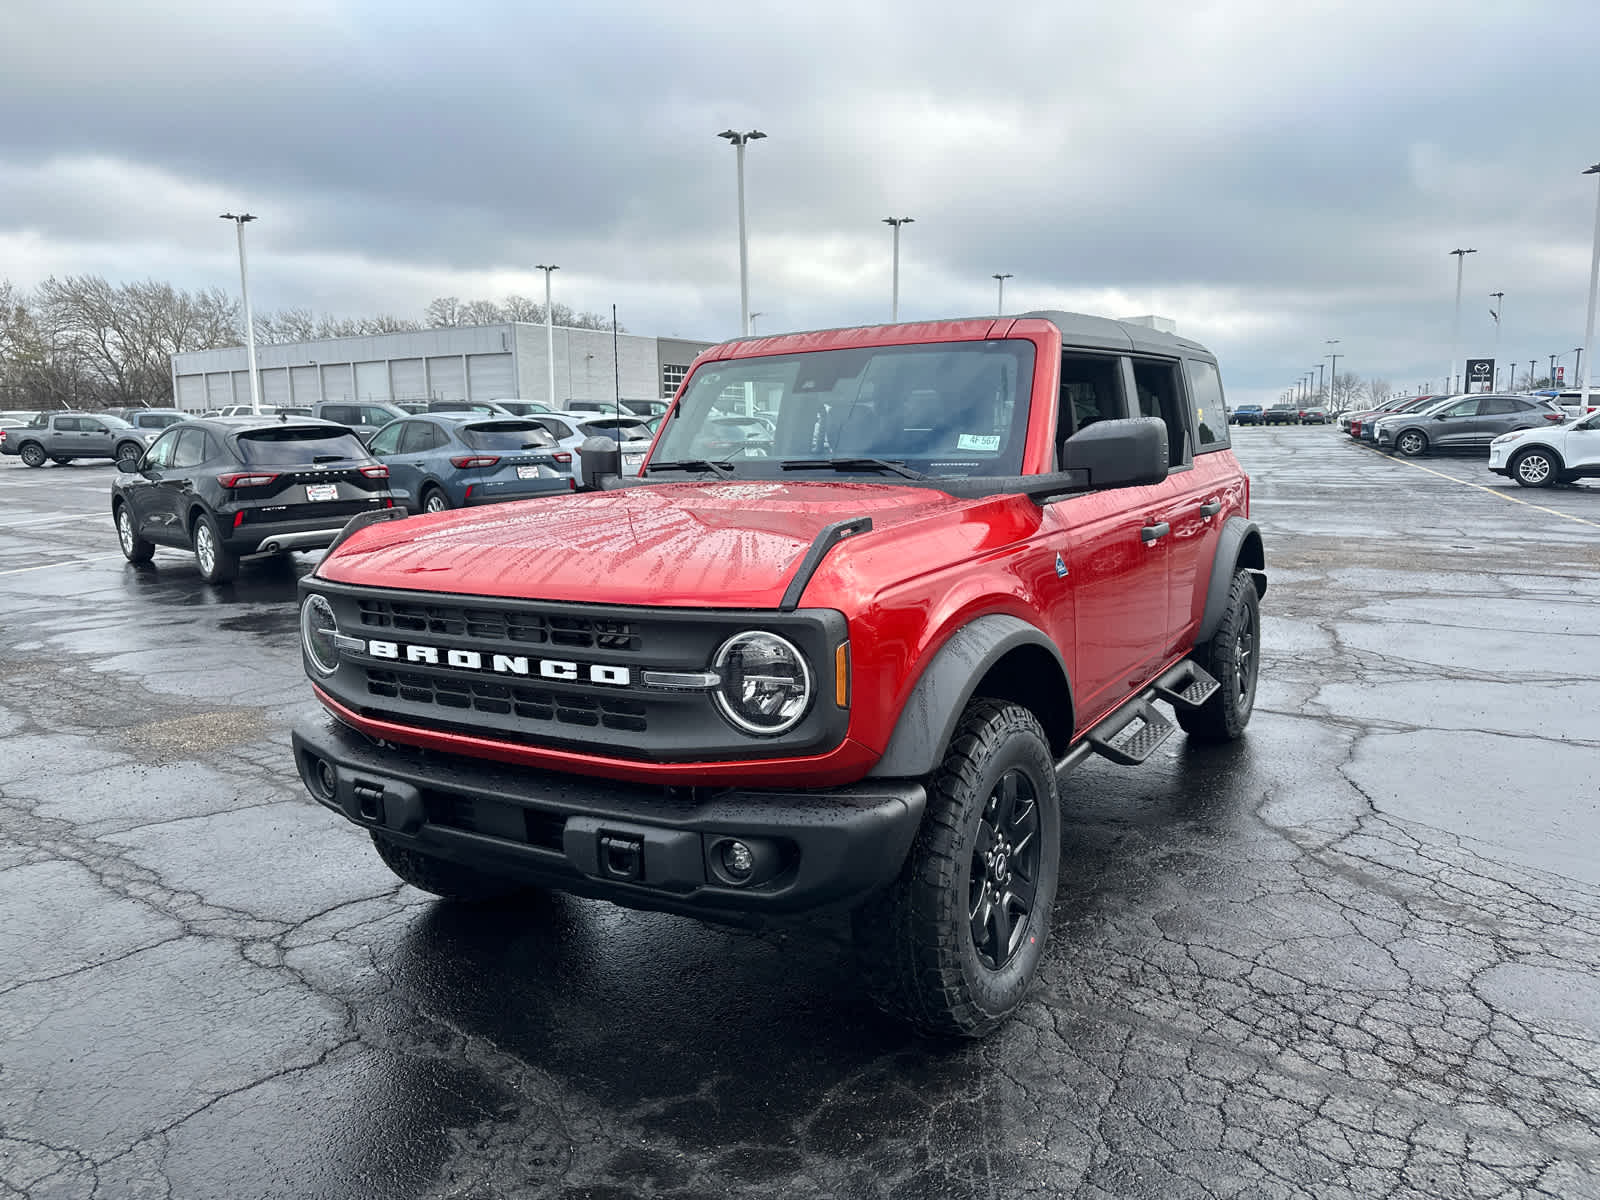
point(500, 664)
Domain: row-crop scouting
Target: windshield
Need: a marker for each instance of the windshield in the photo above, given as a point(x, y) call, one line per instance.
point(952, 409)
point(506, 435)
point(289, 446)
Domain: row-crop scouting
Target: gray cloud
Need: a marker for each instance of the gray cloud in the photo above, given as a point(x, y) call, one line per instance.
point(1270, 175)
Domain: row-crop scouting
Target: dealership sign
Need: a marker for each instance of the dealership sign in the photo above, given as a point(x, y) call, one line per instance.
point(1480, 374)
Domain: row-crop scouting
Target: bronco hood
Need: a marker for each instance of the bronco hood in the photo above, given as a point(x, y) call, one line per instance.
point(693, 545)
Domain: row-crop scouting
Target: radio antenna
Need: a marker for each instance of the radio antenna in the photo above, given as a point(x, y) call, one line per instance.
point(616, 362)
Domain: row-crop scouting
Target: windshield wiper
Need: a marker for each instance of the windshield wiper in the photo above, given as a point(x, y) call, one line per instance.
point(692, 464)
point(851, 464)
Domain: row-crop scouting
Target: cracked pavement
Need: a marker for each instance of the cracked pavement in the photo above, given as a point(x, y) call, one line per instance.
point(1355, 955)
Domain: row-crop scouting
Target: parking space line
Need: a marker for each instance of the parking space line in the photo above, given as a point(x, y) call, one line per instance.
point(1492, 491)
point(66, 562)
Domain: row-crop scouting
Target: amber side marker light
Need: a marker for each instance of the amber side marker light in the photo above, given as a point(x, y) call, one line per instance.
point(841, 675)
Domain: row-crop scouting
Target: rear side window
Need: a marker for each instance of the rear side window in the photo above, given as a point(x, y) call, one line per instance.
point(191, 451)
point(421, 436)
point(1159, 396)
point(1210, 417)
point(288, 446)
point(506, 435)
point(344, 414)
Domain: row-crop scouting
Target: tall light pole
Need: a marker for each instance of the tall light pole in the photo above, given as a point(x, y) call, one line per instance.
point(738, 141)
point(1594, 278)
point(1000, 300)
point(894, 305)
point(1499, 299)
point(1455, 329)
point(549, 335)
point(249, 320)
point(753, 317)
point(1319, 380)
point(1333, 371)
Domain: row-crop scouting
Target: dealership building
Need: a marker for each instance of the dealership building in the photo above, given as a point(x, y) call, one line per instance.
point(475, 362)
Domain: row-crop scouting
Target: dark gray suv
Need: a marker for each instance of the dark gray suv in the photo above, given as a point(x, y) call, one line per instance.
point(1465, 423)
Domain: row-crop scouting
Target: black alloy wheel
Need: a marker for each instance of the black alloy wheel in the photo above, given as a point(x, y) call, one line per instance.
point(33, 454)
point(952, 945)
point(1005, 869)
point(1233, 658)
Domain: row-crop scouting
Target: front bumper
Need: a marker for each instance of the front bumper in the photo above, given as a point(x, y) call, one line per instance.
point(635, 844)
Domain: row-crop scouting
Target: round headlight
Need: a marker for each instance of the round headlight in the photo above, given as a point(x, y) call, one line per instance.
point(766, 685)
point(318, 628)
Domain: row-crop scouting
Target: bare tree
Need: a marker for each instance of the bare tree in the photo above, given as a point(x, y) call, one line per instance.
point(443, 312)
point(520, 308)
point(481, 312)
point(1378, 389)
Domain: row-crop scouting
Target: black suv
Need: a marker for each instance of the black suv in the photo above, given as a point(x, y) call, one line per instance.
point(234, 486)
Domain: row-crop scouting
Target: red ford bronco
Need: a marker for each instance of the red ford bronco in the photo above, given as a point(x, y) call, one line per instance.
point(836, 652)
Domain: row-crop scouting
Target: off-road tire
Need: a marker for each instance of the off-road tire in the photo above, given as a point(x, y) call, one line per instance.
point(434, 500)
point(1536, 468)
point(1411, 442)
point(440, 876)
point(915, 941)
point(217, 563)
point(134, 548)
point(1233, 659)
point(33, 454)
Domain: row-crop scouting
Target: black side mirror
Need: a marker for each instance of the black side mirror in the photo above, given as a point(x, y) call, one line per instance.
point(1120, 453)
point(598, 458)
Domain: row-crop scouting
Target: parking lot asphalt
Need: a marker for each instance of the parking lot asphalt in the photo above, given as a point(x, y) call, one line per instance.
point(1355, 955)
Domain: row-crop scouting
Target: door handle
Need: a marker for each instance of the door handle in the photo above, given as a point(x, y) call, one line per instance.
point(1211, 508)
point(1152, 533)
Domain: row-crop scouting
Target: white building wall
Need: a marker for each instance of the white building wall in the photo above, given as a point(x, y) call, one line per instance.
point(328, 369)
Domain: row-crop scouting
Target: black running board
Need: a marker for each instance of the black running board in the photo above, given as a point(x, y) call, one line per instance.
point(1137, 729)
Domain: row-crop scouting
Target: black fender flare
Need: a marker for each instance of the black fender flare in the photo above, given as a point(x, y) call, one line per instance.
point(928, 720)
point(1239, 546)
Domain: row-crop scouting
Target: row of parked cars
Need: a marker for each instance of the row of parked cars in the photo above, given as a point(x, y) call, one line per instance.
point(1534, 439)
point(232, 485)
point(1278, 414)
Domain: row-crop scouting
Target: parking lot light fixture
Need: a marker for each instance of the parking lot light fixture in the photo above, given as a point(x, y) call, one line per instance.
point(1455, 329)
point(1000, 300)
point(894, 303)
point(1594, 280)
point(1333, 372)
point(738, 141)
point(239, 220)
point(549, 336)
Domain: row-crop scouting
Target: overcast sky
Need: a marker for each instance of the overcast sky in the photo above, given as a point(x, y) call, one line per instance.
point(1268, 174)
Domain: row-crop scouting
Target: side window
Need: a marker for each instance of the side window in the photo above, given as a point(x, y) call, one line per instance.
point(344, 414)
point(88, 426)
point(558, 429)
point(160, 454)
point(387, 440)
point(1465, 408)
point(1210, 417)
point(418, 436)
point(1499, 405)
point(68, 425)
point(191, 451)
point(1091, 390)
point(1159, 396)
point(375, 416)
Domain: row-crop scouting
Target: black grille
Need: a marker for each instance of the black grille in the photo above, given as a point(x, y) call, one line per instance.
point(500, 625)
point(507, 699)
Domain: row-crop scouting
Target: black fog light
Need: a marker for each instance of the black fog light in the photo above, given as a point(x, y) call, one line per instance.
point(745, 861)
point(327, 779)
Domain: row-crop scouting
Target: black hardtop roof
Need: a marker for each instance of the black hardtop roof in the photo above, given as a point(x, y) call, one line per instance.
point(1081, 329)
point(1077, 329)
point(250, 423)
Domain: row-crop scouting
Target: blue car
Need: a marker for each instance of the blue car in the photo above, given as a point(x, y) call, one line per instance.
point(458, 459)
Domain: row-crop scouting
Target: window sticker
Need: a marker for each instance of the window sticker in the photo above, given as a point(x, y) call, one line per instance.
point(978, 441)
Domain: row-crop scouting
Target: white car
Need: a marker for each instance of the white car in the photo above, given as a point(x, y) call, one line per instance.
point(632, 435)
point(1540, 457)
